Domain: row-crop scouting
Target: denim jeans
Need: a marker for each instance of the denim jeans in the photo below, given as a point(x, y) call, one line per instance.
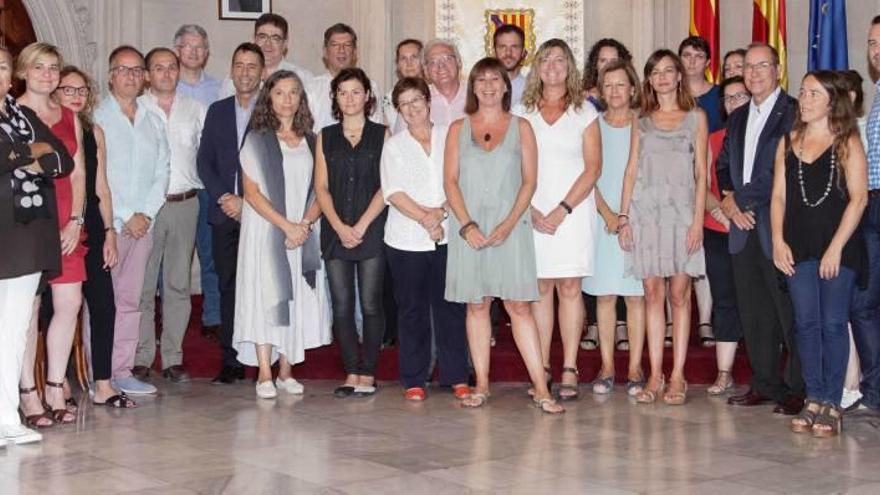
point(821, 314)
point(210, 281)
point(865, 310)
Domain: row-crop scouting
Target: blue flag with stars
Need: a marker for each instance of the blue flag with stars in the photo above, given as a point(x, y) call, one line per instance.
point(827, 42)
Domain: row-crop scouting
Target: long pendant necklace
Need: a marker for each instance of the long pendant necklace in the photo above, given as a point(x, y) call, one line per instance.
point(827, 186)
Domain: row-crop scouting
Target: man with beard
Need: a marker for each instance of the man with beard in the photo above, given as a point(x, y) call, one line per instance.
point(509, 42)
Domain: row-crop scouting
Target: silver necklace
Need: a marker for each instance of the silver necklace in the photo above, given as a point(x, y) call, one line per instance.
point(801, 179)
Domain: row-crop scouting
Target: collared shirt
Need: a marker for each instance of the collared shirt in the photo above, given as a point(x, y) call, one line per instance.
point(137, 160)
point(321, 104)
point(872, 132)
point(206, 90)
point(407, 168)
point(517, 86)
point(445, 112)
point(184, 131)
point(758, 115)
point(227, 89)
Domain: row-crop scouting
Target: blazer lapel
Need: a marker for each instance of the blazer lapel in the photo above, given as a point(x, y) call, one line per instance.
point(776, 117)
point(739, 149)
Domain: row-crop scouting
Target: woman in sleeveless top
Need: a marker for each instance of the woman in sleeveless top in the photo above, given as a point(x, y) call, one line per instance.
point(76, 92)
point(819, 194)
point(489, 177)
point(347, 186)
point(282, 303)
point(563, 207)
point(34, 64)
point(661, 213)
point(619, 85)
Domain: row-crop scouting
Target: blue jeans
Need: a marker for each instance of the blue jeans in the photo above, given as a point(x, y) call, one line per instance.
point(821, 314)
point(210, 282)
point(865, 311)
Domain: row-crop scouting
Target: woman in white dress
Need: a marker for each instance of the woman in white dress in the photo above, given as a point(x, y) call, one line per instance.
point(282, 304)
point(569, 162)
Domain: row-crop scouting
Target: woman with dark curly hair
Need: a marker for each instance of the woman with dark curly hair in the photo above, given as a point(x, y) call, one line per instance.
point(347, 185)
point(602, 53)
point(282, 306)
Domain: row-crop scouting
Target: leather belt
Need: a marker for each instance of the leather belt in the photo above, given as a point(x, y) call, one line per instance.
point(176, 198)
point(874, 193)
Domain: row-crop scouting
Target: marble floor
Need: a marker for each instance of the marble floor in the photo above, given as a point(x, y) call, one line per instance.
point(199, 438)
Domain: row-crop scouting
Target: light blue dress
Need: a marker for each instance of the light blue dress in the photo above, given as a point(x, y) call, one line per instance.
point(608, 277)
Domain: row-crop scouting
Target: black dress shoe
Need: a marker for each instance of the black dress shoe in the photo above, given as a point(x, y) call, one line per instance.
point(791, 406)
point(176, 374)
point(142, 373)
point(229, 375)
point(750, 398)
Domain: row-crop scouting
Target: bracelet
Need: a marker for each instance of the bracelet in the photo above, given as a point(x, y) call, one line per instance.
point(567, 207)
point(464, 228)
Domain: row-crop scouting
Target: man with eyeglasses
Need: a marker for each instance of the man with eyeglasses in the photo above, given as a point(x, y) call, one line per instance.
point(745, 175)
point(137, 172)
point(191, 43)
point(340, 52)
point(174, 229)
point(443, 70)
point(271, 35)
point(509, 42)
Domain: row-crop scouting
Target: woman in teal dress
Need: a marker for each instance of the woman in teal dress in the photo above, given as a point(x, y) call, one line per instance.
point(490, 175)
point(618, 84)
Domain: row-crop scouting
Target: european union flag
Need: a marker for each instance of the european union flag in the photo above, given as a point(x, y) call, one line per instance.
point(827, 40)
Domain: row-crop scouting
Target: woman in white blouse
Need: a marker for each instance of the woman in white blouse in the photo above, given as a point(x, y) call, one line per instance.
point(415, 243)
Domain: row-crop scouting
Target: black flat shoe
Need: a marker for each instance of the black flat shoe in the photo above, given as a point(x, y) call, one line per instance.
point(229, 375)
point(343, 392)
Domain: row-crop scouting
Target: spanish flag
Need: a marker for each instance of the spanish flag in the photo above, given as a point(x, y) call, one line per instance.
point(768, 26)
point(704, 23)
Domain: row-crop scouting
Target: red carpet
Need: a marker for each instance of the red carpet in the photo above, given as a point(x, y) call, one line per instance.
point(202, 358)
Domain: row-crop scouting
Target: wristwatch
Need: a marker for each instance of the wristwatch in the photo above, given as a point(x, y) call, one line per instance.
point(445, 214)
point(78, 219)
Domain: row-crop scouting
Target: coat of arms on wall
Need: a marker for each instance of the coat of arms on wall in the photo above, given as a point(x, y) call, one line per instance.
point(522, 18)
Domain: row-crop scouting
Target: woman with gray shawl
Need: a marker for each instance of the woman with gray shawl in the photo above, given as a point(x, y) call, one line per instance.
point(282, 304)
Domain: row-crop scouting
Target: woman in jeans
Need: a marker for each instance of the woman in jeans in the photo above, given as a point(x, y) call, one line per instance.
point(819, 194)
point(347, 187)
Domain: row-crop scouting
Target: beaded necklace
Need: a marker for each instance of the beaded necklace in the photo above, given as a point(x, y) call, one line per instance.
point(801, 179)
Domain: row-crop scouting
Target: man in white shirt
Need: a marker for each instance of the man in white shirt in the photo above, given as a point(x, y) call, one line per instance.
point(745, 174)
point(271, 35)
point(509, 43)
point(442, 64)
point(340, 52)
point(174, 231)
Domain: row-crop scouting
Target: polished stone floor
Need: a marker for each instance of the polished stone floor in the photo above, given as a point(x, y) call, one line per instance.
point(199, 438)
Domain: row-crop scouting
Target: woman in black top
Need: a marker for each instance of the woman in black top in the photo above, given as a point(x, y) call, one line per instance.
point(30, 155)
point(819, 194)
point(347, 186)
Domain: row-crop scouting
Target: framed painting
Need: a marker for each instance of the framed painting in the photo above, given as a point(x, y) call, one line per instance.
point(247, 10)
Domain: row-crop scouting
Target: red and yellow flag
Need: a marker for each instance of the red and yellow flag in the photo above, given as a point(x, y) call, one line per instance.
point(704, 23)
point(768, 26)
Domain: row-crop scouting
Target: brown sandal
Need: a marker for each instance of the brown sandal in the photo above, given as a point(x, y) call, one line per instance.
point(829, 422)
point(804, 421)
point(62, 415)
point(33, 420)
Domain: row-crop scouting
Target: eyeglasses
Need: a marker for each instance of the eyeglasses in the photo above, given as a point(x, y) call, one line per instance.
point(416, 102)
point(274, 38)
point(74, 90)
point(125, 71)
point(738, 96)
point(442, 59)
point(759, 67)
point(192, 48)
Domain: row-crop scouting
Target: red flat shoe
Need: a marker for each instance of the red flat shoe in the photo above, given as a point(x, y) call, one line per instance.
point(461, 391)
point(414, 394)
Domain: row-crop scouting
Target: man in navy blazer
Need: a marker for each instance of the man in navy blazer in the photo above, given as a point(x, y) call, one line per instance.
point(220, 171)
point(745, 171)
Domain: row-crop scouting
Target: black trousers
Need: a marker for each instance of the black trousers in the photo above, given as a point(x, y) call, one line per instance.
point(766, 315)
point(719, 269)
point(419, 287)
point(370, 276)
point(224, 241)
point(98, 294)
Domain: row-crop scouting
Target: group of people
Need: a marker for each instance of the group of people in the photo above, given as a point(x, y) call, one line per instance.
point(309, 197)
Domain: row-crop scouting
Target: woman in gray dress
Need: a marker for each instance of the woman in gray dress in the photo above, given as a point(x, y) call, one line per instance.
point(490, 174)
point(661, 213)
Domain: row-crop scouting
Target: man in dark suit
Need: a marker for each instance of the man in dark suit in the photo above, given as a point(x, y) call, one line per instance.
point(220, 171)
point(745, 171)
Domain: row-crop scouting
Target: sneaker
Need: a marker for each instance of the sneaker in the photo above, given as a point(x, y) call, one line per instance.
point(850, 398)
point(19, 434)
point(291, 386)
point(132, 386)
point(266, 390)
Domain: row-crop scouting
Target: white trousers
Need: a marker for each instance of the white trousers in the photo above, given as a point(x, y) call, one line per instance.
point(16, 306)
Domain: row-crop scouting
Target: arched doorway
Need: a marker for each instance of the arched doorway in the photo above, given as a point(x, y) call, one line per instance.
point(16, 30)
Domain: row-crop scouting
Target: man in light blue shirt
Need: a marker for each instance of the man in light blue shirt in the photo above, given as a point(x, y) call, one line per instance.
point(137, 172)
point(193, 49)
